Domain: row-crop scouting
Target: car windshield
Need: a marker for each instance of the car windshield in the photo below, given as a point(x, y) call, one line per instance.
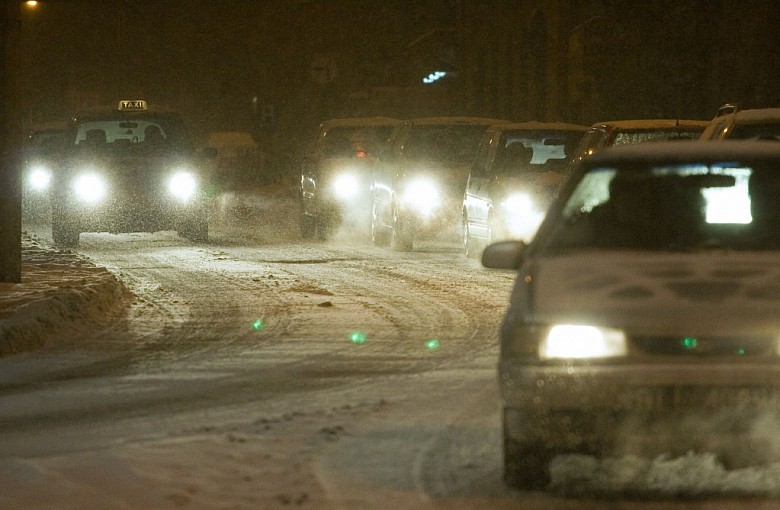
point(348, 141)
point(656, 135)
point(535, 151)
point(671, 207)
point(763, 131)
point(446, 143)
point(137, 135)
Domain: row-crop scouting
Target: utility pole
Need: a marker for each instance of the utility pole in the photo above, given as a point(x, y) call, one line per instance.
point(10, 144)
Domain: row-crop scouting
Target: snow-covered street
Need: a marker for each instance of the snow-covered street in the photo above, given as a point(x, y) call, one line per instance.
point(259, 371)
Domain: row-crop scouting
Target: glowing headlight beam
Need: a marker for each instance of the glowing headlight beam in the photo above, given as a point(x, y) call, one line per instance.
point(423, 196)
point(568, 341)
point(346, 186)
point(39, 178)
point(90, 187)
point(182, 185)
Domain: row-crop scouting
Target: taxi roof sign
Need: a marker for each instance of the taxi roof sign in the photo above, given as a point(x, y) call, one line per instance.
point(135, 105)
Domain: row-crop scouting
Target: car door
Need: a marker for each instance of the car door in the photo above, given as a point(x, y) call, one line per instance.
point(477, 200)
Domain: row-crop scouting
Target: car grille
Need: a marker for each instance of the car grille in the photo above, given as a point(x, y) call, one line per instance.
point(738, 346)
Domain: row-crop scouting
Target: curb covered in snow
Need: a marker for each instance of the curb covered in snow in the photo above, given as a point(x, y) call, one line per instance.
point(61, 294)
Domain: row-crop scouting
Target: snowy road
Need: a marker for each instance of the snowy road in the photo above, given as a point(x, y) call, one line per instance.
point(258, 371)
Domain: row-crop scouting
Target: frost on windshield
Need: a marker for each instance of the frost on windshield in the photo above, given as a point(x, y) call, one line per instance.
point(670, 208)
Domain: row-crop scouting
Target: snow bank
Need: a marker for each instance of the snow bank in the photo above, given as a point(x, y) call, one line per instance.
point(61, 294)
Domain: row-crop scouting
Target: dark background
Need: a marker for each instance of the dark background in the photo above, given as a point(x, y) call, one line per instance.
point(278, 68)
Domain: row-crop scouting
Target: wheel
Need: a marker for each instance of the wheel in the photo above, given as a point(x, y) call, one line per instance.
point(379, 235)
point(64, 234)
point(526, 462)
point(526, 465)
point(402, 235)
point(308, 226)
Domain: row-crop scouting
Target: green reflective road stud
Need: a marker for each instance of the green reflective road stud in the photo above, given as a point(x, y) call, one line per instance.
point(690, 343)
point(432, 344)
point(258, 325)
point(357, 338)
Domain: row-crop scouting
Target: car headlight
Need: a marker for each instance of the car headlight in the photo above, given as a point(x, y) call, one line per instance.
point(570, 341)
point(346, 186)
point(522, 215)
point(39, 178)
point(182, 185)
point(90, 187)
point(423, 196)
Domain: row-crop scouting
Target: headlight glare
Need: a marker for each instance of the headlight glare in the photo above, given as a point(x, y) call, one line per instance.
point(346, 186)
point(182, 185)
point(569, 341)
point(39, 178)
point(90, 187)
point(522, 215)
point(423, 196)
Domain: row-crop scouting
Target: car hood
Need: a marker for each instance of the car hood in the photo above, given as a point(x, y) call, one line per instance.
point(661, 293)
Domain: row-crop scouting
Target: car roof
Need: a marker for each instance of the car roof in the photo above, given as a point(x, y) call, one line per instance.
point(536, 125)
point(757, 115)
point(437, 121)
point(360, 121)
point(679, 151)
point(639, 124)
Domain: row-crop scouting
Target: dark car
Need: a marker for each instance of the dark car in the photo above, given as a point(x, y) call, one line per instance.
point(419, 180)
point(734, 123)
point(514, 177)
point(336, 174)
point(42, 152)
point(623, 132)
point(132, 168)
point(645, 317)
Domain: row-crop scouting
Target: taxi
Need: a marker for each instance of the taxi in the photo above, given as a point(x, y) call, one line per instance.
point(132, 168)
point(645, 317)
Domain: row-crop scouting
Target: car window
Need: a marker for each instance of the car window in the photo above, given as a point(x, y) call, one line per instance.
point(763, 131)
point(656, 135)
point(117, 134)
point(679, 207)
point(535, 150)
point(481, 159)
point(445, 143)
point(349, 141)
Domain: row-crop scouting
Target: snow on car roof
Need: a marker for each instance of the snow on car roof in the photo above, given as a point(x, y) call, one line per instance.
point(536, 125)
point(653, 123)
point(758, 115)
point(687, 151)
point(361, 121)
point(477, 121)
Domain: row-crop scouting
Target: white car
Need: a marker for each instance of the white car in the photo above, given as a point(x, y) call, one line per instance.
point(733, 123)
point(645, 318)
point(513, 179)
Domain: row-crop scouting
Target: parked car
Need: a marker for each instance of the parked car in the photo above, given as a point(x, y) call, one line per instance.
point(419, 180)
point(645, 317)
point(515, 175)
point(733, 123)
point(336, 173)
point(622, 132)
point(132, 168)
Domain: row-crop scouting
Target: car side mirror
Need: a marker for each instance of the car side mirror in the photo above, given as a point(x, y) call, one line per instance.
point(503, 255)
